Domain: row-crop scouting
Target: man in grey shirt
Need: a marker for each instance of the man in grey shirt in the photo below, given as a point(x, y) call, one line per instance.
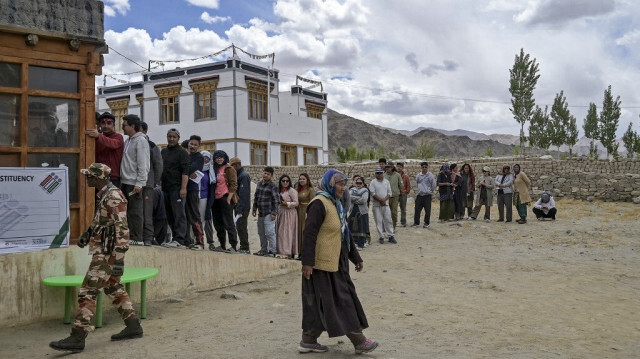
point(134, 170)
point(426, 185)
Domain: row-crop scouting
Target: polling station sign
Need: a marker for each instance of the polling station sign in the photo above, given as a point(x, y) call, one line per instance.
point(34, 209)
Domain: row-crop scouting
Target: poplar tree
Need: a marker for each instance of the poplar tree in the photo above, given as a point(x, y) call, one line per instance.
point(538, 129)
point(558, 119)
point(522, 81)
point(590, 128)
point(572, 134)
point(608, 122)
point(629, 140)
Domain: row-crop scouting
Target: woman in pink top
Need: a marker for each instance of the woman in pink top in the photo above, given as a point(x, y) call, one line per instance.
point(287, 222)
point(224, 198)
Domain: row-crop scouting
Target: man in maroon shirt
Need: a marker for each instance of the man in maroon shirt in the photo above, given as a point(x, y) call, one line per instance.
point(109, 145)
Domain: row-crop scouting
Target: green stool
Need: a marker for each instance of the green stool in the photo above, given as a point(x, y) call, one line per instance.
point(130, 275)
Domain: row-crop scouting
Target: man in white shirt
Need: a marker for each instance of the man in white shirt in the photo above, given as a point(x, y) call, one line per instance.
point(545, 207)
point(380, 193)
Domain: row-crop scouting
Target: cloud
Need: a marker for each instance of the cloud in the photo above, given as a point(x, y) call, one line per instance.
point(367, 54)
point(411, 60)
point(113, 6)
point(213, 19)
point(630, 38)
point(209, 4)
point(561, 11)
point(433, 69)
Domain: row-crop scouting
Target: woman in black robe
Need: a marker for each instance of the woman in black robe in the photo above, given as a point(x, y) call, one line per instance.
point(329, 299)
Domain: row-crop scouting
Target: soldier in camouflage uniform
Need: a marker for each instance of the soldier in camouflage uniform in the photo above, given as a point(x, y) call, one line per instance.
point(108, 239)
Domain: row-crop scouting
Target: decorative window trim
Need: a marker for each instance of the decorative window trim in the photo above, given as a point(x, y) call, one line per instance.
point(118, 107)
point(314, 109)
point(168, 91)
point(204, 85)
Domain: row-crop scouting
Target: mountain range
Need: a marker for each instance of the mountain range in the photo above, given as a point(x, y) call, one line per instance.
point(345, 131)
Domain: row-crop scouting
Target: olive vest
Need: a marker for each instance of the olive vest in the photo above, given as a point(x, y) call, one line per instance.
point(329, 241)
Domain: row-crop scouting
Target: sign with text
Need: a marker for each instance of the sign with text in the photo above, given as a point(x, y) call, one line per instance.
point(34, 209)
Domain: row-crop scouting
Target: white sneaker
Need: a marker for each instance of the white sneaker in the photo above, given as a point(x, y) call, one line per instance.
point(173, 244)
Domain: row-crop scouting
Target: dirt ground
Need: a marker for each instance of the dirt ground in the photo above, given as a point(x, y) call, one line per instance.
point(468, 289)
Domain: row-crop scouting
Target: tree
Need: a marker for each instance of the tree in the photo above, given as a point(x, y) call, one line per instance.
point(629, 140)
point(608, 122)
point(561, 123)
point(591, 131)
point(522, 81)
point(538, 129)
point(425, 150)
point(572, 134)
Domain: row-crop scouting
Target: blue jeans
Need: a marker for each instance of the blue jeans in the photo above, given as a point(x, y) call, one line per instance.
point(267, 234)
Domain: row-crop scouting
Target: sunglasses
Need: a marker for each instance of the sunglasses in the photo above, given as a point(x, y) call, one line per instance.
point(285, 181)
point(359, 183)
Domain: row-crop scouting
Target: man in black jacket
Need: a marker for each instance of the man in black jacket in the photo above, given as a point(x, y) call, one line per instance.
point(192, 209)
point(243, 207)
point(175, 175)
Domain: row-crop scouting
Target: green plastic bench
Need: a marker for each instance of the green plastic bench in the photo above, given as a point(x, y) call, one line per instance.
point(130, 275)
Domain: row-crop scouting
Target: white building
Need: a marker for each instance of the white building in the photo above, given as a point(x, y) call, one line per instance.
point(225, 103)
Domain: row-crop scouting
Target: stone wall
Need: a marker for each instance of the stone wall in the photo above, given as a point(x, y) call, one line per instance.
point(66, 18)
point(574, 178)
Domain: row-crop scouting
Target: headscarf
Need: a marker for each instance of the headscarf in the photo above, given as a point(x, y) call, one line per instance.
point(326, 188)
point(514, 169)
point(208, 155)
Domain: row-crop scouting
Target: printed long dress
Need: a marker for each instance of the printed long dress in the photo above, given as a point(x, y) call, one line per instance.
point(304, 197)
point(287, 224)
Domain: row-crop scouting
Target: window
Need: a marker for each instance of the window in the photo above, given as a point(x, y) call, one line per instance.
point(9, 75)
point(205, 99)
point(118, 108)
point(9, 120)
point(288, 155)
point(46, 112)
point(310, 156)
point(258, 154)
point(169, 101)
point(257, 100)
point(208, 146)
point(60, 80)
point(314, 110)
point(52, 122)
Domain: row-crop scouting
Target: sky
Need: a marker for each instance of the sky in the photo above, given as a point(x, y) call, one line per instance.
point(401, 64)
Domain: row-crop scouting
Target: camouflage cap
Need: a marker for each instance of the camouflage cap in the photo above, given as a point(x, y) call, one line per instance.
point(99, 170)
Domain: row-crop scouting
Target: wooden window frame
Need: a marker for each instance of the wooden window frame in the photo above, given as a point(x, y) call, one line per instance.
point(207, 89)
point(118, 108)
point(208, 145)
point(308, 150)
point(257, 97)
point(262, 146)
point(288, 155)
point(314, 110)
point(169, 102)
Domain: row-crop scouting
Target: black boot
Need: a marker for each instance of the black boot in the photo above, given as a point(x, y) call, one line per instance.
point(132, 330)
point(73, 343)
